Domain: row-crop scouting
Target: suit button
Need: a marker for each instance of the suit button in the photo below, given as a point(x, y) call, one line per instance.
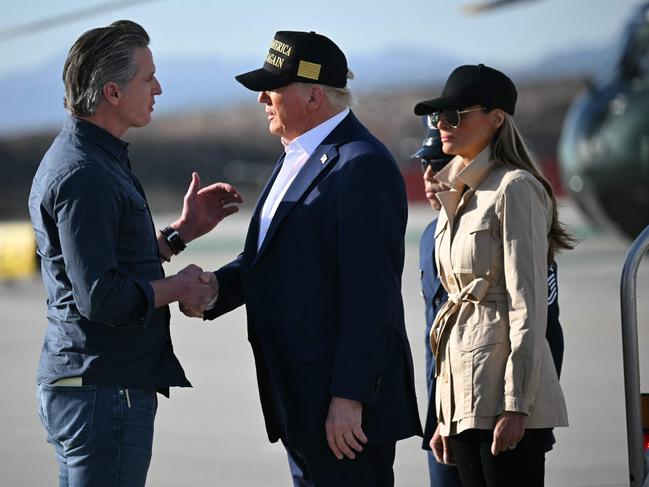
point(436, 301)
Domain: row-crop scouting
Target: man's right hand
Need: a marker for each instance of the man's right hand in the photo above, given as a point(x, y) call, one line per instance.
point(343, 428)
point(197, 289)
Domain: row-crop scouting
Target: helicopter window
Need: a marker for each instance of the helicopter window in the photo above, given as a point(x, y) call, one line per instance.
point(635, 63)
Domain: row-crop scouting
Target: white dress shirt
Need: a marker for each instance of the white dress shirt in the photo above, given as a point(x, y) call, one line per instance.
point(298, 152)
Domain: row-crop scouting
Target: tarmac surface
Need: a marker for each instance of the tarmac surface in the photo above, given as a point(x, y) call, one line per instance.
point(213, 434)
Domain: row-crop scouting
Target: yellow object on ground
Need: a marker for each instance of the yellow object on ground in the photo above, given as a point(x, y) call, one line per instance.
point(17, 250)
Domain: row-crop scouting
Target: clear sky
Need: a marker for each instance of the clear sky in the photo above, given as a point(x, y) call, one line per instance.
point(519, 34)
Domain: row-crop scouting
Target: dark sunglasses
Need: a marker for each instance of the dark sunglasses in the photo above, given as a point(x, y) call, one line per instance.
point(452, 117)
point(437, 164)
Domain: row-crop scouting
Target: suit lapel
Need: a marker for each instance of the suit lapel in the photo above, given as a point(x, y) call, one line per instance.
point(324, 156)
point(250, 247)
point(302, 182)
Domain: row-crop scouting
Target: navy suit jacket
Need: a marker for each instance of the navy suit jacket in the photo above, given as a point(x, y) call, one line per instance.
point(323, 294)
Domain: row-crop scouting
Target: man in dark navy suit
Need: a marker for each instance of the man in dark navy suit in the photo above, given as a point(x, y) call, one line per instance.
point(320, 275)
point(433, 159)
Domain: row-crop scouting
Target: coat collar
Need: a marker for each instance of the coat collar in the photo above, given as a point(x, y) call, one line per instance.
point(309, 141)
point(460, 178)
point(456, 175)
point(322, 158)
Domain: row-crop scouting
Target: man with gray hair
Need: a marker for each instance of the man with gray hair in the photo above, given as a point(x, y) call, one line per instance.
point(320, 275)
point(107, 348)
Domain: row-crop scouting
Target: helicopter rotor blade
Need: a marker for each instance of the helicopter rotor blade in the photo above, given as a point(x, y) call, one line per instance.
point(66, 18)
point(478, 8)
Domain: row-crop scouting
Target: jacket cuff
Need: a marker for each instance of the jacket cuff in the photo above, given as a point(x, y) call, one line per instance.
point(363, 390)
point(144, 312)
point(517, 405)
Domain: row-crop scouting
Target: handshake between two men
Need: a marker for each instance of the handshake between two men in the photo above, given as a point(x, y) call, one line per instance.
point(203, 209)
point(201, 289)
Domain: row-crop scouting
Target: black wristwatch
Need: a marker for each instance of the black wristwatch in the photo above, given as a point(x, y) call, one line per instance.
point(173, 239)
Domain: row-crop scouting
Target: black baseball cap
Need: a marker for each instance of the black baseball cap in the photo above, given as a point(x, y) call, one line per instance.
point(473, 85)
point(431, 150)
point(304, 57)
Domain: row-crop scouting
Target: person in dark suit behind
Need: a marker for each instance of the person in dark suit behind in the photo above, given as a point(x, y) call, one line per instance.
point(320, 275)
point(432, 160)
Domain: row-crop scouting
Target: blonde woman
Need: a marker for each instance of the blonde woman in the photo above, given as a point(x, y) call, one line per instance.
point(497, 393)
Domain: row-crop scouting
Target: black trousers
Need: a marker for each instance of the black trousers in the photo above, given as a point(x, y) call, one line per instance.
point(522, 466)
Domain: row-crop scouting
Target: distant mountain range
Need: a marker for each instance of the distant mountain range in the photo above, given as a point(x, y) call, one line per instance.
point(32, 100)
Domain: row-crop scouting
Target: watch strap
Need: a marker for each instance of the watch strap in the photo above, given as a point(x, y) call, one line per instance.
point(173, 239)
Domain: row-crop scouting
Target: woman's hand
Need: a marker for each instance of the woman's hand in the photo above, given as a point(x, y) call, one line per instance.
point(441, 448)
point(509, 430)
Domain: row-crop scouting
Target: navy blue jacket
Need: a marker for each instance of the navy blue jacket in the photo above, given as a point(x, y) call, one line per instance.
point(435, 296)
point(98, 253)
point(323, 294)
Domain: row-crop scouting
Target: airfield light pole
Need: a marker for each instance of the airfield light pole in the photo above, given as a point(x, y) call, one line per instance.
point(631, 358)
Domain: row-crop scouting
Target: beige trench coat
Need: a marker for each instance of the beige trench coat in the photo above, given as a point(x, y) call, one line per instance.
point(489, 342)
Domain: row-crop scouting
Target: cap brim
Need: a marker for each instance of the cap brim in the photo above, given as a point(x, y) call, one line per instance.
point(438, 104)
point(261, 80)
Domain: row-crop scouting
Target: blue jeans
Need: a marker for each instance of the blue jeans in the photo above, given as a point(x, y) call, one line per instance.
point(102, 435)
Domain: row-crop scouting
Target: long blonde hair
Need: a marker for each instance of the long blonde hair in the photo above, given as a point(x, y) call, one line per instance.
point(508, 147)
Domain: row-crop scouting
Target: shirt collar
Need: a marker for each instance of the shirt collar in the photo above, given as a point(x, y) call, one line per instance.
point(309, 141)
point(456, 175)
point(115, 146)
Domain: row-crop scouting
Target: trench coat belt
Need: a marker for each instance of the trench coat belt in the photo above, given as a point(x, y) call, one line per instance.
point(476, 291)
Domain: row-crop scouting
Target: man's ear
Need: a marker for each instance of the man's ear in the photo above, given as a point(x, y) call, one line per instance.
point(112, 93)
point(316, 96)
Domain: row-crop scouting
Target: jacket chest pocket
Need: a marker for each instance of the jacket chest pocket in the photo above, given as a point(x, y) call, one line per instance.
point(472, 244)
